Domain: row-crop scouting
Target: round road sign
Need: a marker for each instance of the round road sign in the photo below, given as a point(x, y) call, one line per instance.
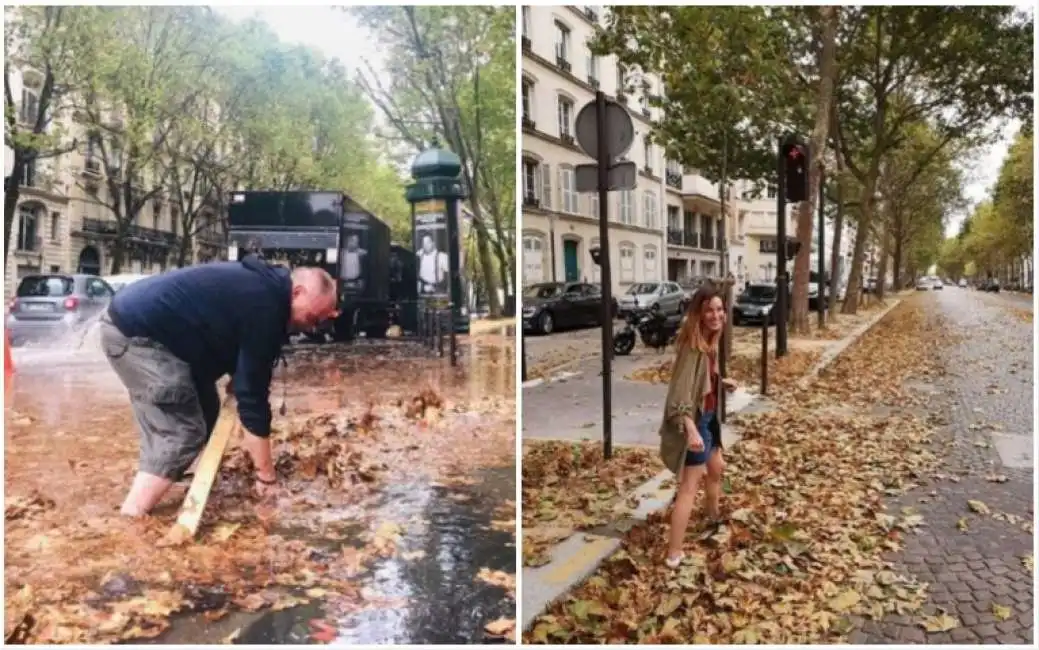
point(620, 131)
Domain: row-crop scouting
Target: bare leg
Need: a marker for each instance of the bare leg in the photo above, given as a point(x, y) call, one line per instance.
point(683, 508)
point(147, 490)
point(713, 484)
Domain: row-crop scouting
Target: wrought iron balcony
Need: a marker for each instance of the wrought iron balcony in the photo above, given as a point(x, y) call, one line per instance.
point(531, 201)
point(673, 179)
point(707, 242)
point(674, 236)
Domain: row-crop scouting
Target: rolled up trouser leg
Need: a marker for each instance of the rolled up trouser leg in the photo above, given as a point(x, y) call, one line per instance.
point(173, 424)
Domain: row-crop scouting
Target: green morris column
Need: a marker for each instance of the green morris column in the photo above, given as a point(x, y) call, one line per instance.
point(436, 234)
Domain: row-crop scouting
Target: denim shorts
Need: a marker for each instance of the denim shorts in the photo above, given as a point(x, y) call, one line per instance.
point(710, 441)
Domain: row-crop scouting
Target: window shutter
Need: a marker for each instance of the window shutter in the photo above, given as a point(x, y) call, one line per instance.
point(546, 182)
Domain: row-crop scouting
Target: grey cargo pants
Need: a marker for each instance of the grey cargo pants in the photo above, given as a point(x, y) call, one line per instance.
point(174, 412)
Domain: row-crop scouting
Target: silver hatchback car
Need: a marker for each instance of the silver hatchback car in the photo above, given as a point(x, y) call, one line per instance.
point(48, 307)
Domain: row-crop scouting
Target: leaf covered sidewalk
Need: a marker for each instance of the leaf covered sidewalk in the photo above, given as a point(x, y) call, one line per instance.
point(805, 556)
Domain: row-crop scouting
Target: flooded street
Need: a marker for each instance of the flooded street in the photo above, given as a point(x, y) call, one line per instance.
point(396, 523)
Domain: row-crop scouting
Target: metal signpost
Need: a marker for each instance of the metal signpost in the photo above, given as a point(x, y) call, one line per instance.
point(605, 132)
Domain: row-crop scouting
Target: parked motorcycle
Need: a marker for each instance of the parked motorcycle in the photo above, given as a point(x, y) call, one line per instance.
point(657, 330)
point(624, 340)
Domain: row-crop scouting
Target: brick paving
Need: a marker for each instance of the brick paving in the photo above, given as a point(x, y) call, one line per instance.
point(971, 571)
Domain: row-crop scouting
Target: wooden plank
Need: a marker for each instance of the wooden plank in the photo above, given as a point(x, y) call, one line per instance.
point(205, 475)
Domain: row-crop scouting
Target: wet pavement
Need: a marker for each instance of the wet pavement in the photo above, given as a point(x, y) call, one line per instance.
point(447, 496)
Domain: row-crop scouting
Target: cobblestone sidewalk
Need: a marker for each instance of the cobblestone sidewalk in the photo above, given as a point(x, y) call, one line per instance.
point(977, 573)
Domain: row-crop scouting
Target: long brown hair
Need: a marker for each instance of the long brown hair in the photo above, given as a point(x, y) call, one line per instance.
point(692, 333)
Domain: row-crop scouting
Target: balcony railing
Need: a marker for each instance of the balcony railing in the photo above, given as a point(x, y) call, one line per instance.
point(673, 179)
point(109, 228)
point(531, 201)
point(682, 237)
point(707, 242)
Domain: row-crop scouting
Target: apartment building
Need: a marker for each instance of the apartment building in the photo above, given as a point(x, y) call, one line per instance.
point(561, 225)
point(696, 227)
point(62, 224)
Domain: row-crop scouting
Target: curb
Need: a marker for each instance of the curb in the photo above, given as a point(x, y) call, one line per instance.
point(579, 556)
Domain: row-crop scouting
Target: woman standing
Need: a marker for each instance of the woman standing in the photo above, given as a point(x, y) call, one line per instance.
point(690, 435)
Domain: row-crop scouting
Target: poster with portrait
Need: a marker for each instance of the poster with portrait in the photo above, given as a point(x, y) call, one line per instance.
point(353, 256)
point(431, 250)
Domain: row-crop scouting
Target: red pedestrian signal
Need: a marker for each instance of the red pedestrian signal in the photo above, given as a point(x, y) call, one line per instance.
point(795, 180)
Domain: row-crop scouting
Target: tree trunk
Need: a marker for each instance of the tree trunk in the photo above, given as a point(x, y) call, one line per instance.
point(885, 253)
point(835, 253)
point(11, 195)
point(816, 144)
point(183, 250)
point(896, 269)
point(851, 302)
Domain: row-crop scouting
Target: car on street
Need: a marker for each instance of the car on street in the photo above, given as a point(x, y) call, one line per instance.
point(755, 304)
point(963, 283)
point(923, 284)
point(669, 298)
point(990, 285)
point(939, 284)
point(47, 307)
point(548, 306)
point(117, 282)
point(870, 286)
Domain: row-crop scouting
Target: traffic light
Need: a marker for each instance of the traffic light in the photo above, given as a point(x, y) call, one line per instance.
point(596, 254)
point(796, 161)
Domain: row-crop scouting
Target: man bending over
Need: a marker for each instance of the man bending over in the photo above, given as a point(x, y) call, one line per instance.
point(170, 337)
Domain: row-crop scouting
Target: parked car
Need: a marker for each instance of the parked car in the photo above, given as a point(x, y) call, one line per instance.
point(939, 284)
point(923, 284)
point(870, 285)
point(50, 306)
point(551, 305)
point(963, 283)
point(668, 296)
point(990, 285)
point(755, 304)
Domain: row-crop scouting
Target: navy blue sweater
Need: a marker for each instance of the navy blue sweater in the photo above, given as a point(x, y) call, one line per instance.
point(223, 317)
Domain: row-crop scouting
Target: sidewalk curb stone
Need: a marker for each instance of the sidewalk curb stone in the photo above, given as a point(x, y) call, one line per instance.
point(577, 557)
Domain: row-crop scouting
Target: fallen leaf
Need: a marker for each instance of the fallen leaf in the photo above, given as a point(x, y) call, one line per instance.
point(940, 623)
point(1001, 612)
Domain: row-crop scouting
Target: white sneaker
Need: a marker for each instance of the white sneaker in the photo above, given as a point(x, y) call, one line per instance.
point(673, 562)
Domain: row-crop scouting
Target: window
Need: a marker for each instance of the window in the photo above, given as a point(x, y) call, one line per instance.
point(29, 174)
point(533, 259)
point(596, 271)
point(30, 107)
point(531, 182)
point(593, 69)
point(771, 191)
point(647, 152)
point(156, 215)
point(98, 288)
point(593, 205)
point(565, 113)
point(622, 80)
point(562, 41)
point(649, 263)
point(567, 189)
point(627, 262)
point(55, 225)
point(28, 224)
point(528, 100)
point(174, 219)
point(649, 209)
point(673, 218)
point(644, 101)
point(627, 207)
point(526, 21)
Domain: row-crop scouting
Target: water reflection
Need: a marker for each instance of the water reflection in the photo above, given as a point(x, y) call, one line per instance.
point(434, 598)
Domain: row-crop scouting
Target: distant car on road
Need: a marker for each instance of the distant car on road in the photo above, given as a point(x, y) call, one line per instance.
point(939, 284)
point(963, 283)
point(924, 284)
point(117, 282)
point(50, 306)
point(551, 305)
point(669, 297)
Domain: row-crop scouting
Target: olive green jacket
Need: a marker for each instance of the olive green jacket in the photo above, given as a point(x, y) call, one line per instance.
point(686, 393)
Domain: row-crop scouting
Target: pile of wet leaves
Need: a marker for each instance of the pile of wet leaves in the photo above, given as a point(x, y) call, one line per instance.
point(800, 557)
point(567, 486)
